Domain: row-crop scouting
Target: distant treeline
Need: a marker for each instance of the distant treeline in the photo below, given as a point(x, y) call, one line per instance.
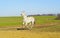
point(43, 15)
point(57, 18)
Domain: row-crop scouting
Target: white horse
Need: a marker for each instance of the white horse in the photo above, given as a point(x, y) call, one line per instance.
point(28, 21)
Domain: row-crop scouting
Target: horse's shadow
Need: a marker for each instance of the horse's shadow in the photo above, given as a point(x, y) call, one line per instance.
point(22, 29)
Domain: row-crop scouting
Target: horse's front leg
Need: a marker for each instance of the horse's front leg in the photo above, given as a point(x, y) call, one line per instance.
point(23, 26)
point(26, 25)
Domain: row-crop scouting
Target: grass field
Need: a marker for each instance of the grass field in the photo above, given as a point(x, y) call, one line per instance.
point(45, 27)
point(6, 21)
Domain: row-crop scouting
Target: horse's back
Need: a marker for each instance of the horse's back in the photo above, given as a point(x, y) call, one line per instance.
point(31, 18)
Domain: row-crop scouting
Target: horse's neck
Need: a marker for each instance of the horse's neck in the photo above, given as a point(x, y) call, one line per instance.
point(24, 16)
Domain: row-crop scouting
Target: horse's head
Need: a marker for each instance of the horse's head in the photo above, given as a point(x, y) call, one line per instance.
point(23, 14)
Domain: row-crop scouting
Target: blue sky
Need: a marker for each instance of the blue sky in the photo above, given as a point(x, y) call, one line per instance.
point(14, 7)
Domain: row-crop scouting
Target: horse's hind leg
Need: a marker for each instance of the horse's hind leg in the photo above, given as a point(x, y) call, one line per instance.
point(32, 25)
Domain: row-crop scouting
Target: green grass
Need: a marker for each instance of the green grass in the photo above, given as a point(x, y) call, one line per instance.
point(45, 19)
point(10, 21)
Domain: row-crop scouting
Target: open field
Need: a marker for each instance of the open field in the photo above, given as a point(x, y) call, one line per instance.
point(45, 27)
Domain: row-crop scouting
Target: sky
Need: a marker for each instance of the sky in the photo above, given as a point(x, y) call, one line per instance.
point(15, 7)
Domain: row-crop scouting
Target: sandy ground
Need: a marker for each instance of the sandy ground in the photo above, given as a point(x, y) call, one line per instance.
point(27, 34)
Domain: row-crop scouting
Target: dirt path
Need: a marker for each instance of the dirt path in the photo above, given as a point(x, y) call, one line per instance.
point(12, 32)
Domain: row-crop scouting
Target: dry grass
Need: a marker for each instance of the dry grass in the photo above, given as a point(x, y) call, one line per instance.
point(28, 34)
